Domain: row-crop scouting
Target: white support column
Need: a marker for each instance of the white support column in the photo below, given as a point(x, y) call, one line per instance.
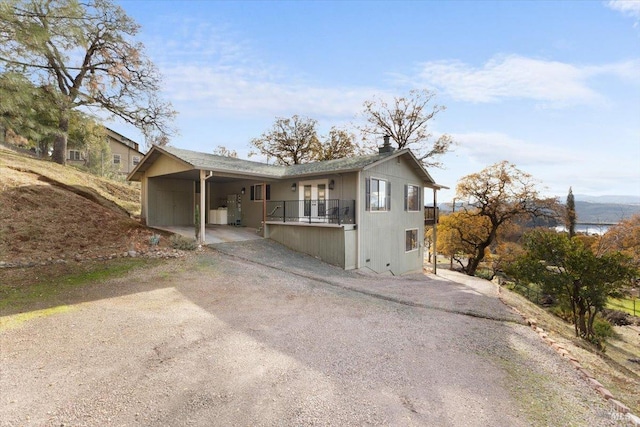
point(358, 218)
point(203, 183)
point(435, 231)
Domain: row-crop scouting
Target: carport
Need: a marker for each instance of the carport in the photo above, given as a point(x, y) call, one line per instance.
point(216, 233)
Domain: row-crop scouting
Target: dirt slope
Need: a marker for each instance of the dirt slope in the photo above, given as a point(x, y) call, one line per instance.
point(51, 211)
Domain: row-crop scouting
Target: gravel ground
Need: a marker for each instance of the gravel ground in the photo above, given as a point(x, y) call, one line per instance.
point(214, 339)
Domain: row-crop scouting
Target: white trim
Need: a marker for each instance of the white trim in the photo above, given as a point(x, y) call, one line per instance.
point(385, 210)
point(405, 240)
point(420, 201)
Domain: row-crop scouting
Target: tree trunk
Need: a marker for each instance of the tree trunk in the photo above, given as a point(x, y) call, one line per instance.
point(60, 142)
point(582, 319)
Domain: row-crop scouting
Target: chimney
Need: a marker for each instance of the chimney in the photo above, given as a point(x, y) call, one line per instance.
point(386, 147)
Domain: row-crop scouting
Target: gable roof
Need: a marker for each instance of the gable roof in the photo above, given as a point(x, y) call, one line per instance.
point(234, 166)
point(121, 139)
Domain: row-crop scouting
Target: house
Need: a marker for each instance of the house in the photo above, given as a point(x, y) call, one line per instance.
point(359, 212)
point(125, 153)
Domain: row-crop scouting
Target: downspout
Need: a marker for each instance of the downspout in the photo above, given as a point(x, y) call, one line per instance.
point(435, 230)
point(358, 218)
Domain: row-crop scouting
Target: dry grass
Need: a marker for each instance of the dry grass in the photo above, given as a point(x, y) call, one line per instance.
point(614, 368)
point(51, 211)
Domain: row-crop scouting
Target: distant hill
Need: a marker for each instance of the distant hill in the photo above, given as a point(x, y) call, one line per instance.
point(619, 200)
point(605, 212)
point(597, 209)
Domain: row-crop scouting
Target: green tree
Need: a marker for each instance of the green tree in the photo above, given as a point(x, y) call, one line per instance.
point(83, 55)
point(500, 195)
point(25, 109)
point(89, 136)
point(407, 122)
point(570, 214)
point(566, 268)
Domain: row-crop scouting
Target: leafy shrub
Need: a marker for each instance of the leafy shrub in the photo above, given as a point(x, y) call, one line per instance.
point(183, 243)
point(602, 328)
point(485, 273)
point(154, 240)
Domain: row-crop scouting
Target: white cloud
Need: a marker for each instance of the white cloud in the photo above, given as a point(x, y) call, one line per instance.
point(627, 7)
point(552, 83)
point(203, 90)
point(491, 147)
point(209, 70)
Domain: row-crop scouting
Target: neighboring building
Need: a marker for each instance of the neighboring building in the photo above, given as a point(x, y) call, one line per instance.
point(359, 212)
point(125, 153)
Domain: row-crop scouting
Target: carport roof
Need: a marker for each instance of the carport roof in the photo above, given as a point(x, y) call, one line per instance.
point(222, 164)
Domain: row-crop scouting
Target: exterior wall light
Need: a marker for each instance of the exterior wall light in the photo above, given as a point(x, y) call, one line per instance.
point(294, 186)
point(332, 184)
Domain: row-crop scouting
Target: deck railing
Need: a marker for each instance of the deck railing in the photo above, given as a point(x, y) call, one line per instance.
point(431, 215)
point(328, 211)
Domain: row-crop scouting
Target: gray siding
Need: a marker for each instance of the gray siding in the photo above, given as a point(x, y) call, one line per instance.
point(171, 201)
point(325, 243)
point(382, 240)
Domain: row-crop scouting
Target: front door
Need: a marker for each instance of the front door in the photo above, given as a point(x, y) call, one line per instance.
point(313, 196)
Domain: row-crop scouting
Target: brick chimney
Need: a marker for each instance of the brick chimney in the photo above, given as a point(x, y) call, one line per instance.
point(386, 147)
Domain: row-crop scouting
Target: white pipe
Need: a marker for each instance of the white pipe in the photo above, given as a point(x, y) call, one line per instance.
point(358, 219)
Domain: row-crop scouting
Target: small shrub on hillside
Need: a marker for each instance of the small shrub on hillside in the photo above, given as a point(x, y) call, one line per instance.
point(154, 240)
point(602, 328)
point(485, 273)
point(183, 243)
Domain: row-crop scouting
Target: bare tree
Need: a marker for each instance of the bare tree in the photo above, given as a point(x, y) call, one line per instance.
point(338, 144)
point(290, 141)
point(406, 121)
point(85, 55)
point(221, 150)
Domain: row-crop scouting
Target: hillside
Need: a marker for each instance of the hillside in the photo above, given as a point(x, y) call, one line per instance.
point(592, 211)
point(604, 212)
point(51, 211)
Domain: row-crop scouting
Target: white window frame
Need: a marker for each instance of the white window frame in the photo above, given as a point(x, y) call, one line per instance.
point(415, 244)
point(406, 198)
point(117, 159)
point(135, 160)
point(72, 157)
point(387, 194)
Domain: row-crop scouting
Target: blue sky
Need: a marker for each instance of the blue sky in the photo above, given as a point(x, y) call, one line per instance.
point(553, 87)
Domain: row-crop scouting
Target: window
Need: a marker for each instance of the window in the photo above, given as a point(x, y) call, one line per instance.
point(411, 198)
point(136, 160)
point(378, 195)
point(257, 192)
point(116, 159)
point(411, 240)
point(75, 155)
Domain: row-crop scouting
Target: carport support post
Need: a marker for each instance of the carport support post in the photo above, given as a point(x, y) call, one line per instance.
point(435, 230)
point(202, 207)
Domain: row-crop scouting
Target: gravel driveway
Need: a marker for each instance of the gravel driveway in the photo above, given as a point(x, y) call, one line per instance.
point(215, 339)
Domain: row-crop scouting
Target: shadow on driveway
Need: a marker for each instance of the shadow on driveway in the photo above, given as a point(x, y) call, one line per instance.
point(454, 293)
